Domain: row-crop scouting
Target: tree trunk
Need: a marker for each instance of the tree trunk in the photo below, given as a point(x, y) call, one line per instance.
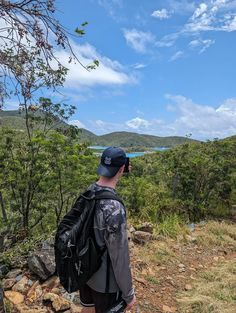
point(4, 213)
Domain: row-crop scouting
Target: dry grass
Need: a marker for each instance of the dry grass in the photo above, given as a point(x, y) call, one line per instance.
point(214, 291)
point(157, 253)
point(218, 234)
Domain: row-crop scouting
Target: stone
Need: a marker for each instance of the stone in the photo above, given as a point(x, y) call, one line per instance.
point(18, 277)
point(181, 270)
point(75, 308)
point(216, 258)
point(141, 237)
point(42, 262)
point(22, 285)
point(52, 282)
point(57, 291)
point(35, 292)
point(191, 239)
point(188, 287)
point(146, 227)
point(3, 270)
point(8, 283)
point(181, 265)
point(14, 297)
point(131, 229)
point(14, 273)
point(59, 303)
point(22, 308)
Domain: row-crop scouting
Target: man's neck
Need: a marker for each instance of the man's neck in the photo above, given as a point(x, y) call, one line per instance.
point(105, 182)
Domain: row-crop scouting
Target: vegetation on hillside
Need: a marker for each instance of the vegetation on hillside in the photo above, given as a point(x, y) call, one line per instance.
point(133, 141)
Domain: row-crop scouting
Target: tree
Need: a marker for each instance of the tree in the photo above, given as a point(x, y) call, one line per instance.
point(29, 36)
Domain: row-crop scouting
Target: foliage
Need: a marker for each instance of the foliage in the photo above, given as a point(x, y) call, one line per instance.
point(193, 180)
point(29, 36)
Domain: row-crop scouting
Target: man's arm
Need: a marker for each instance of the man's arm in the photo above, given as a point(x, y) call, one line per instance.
point(117, 245)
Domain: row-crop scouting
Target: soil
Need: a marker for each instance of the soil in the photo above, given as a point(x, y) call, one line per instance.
point(158, 285)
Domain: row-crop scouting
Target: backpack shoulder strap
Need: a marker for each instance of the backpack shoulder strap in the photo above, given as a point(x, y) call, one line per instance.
point(106, 194)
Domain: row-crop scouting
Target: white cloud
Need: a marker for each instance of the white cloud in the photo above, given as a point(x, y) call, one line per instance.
point(138, 40)
point(208, 16)
point(177, 55)
point(203, 122)
point(228, 108)
point(137, 123)
point(182, 6)
point(112, 7)
point(162, 14)
point(212, 17)
point(139, 66)
point(77, 123)
point(109, 72)
point(168, 40)
point(201, 44)
point(200, 10)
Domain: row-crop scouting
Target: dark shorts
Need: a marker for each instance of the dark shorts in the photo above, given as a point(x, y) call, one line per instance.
point(101, 301)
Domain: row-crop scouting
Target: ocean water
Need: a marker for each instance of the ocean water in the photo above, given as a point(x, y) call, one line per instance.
point(129, 154)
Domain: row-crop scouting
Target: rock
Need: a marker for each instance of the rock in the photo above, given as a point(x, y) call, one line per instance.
point(3, 270)
point(8, 283)
point(216, 258)
point(34, 293)
point(14, 297)
point(49, 296)
point(14, 273)
point(131, 229)
point(141, 237)
point(42, 262)
point(19, 277)
point(57, 291)
point(181, 270)
point(59, 303)
point(188, 287)
point(52, 282)
point(72, 297)
point(191, 239)
point(22, 286)
point(22, 308)
point(75, 309)
point(191, 227)
point(146, 227)
point(180, 265)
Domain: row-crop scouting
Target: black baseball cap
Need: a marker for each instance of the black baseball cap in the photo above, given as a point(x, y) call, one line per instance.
point(111, 160)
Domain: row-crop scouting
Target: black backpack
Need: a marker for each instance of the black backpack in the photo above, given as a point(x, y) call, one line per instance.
point(77, 254)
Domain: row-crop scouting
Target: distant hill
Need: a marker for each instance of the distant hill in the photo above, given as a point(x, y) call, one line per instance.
point(123, 139)
point(129, 139)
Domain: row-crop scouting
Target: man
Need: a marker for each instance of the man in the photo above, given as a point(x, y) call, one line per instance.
point(113, 281)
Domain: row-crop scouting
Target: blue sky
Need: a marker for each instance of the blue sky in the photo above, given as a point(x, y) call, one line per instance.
point(166, 67)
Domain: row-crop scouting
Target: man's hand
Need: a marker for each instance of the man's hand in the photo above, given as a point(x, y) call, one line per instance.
point(131, 304)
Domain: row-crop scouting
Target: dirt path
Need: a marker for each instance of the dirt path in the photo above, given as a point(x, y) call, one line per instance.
point(163, 269)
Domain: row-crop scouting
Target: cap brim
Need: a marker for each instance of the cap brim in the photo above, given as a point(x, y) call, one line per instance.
point(107, 171)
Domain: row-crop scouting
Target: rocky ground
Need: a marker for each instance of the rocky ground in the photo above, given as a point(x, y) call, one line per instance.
point(164, 269)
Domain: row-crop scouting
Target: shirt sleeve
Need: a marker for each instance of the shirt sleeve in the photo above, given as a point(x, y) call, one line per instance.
point(117, 244)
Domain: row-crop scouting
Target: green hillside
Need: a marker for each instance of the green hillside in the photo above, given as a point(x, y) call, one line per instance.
point(16, 120)
point(129, 139)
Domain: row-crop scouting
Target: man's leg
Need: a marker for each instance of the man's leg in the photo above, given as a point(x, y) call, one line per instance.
point(86, 300)
point(88, 310)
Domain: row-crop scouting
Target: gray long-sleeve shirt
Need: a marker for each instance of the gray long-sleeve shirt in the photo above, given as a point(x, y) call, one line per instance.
point(110, 231)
